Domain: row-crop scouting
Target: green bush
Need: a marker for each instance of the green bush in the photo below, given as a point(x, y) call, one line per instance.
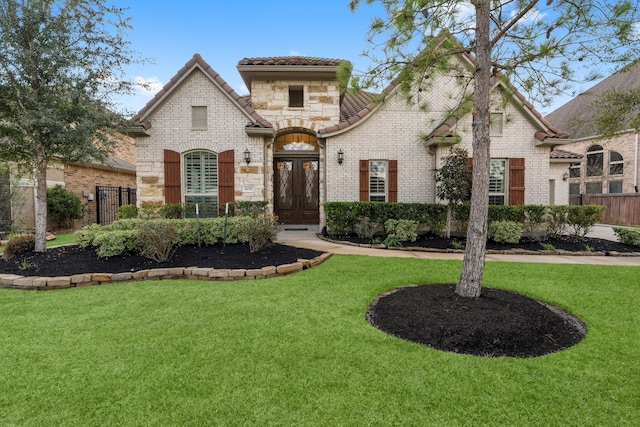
point(115, 242)
point(581, 219)
point(533, 220)
point(404, 230)
point(158, 240)
point(254, 209)
point(365, 228)
point(505, 231)
point(127, 211)
point(628, 236)
point(86, 235)
point(556, 220)
point(149, 211)
point(64, 207)
point(172, 211)
point(259, 231)
point(18, 245)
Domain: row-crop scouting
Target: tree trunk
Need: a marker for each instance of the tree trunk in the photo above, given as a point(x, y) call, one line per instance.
point(41, 201)
point(470, 281)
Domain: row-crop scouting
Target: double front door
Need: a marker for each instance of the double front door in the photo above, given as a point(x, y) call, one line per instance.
point(296, 190)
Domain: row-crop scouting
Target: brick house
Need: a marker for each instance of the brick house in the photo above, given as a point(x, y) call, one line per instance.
point(80, 179)
point(609, 165)
point(298, 140)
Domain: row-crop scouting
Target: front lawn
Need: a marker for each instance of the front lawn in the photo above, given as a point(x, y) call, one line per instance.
point(297, 350)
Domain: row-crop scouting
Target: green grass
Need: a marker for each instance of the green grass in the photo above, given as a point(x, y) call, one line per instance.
point(62, 239)
point(297, 350)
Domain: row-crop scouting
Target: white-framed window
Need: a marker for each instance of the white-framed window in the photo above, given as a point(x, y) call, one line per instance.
point(616, 163)
point(378, 179)
point(615, 187)
point(201, 179)
point(496, 123)
point(498, 182)
point(199, 118)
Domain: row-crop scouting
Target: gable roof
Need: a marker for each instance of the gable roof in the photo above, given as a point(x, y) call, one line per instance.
point(577, 115)
point(446, 128)
point(256, 124)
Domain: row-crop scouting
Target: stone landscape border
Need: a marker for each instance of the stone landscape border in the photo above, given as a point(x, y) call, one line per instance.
point(14, 281)
point(489, 251)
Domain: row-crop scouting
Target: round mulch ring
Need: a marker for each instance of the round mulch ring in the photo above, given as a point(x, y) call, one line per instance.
point(499, 323)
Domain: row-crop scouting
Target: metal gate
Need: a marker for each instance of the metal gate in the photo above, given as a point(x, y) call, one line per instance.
point(109, 200)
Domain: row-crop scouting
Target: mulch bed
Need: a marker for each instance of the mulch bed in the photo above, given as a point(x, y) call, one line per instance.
point(499, 323)
point(70, 260)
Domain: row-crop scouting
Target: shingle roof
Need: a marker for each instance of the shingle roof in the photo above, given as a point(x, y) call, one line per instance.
point(291, 60)
point(577, 115)
point(197, 62)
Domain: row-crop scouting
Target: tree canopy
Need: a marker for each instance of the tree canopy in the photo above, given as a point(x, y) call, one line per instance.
point(61, 63)
point(538, 47)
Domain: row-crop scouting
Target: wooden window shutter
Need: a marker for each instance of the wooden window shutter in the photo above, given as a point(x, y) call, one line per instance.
point(364, 180)
point(172, 179)
point(516, 181)
point(393, 180)
point(226, 178)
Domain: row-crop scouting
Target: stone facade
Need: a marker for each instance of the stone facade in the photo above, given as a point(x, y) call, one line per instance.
point(393, 130)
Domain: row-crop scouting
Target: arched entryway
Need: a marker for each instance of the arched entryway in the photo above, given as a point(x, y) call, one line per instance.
point(296, 167)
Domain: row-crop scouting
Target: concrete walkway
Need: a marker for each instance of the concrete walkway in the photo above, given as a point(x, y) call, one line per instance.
point(305, 237)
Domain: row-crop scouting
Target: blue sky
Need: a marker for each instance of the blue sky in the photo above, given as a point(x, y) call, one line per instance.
point(170, 32)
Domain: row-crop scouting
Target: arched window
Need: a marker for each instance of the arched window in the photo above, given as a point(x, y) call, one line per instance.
point(616, 163)
point(595, 160)
point(296, 142)
point(201, 178)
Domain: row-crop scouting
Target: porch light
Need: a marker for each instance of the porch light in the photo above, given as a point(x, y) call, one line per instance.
point(340, 157)
point(247, 156)
point(565, 176)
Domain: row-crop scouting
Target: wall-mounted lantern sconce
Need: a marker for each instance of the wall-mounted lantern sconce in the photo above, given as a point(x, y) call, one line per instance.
point(247, 156)
point(340, 157)
point(565, 176)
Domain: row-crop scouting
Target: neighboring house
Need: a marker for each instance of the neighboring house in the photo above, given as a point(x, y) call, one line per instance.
point(81, 179)
point(298, 141)
point(610, 165)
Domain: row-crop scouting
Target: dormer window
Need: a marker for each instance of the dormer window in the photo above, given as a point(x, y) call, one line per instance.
point(296, 96)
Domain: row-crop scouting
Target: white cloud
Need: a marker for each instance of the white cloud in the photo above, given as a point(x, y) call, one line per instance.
point(147, 85)
point(294, 53)
point(636, 30)
point(534, 15)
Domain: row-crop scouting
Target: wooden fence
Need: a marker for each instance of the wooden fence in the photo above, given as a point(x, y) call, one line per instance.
point(622, 209)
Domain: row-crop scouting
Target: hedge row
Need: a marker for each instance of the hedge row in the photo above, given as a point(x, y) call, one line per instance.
point(123, 236)
point(343, 217)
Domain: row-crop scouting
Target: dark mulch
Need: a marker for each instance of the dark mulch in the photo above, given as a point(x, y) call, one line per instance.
point(69, 260)
point(566, 243)
point(499, 323)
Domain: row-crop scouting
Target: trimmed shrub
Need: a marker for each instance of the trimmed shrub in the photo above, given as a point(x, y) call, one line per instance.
point(253, 209)
point(127, 211)
point(172, 211)
point(505, 231)
point(628, 236)
point(64, 207)
point(86, 235)
point(158, 240)
point(18, 245)
point(533, 220)
point(404, 230)
point(365, 228)
point(581, 219)
point(556, 220)
point(115, 242)
point(259, 231)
